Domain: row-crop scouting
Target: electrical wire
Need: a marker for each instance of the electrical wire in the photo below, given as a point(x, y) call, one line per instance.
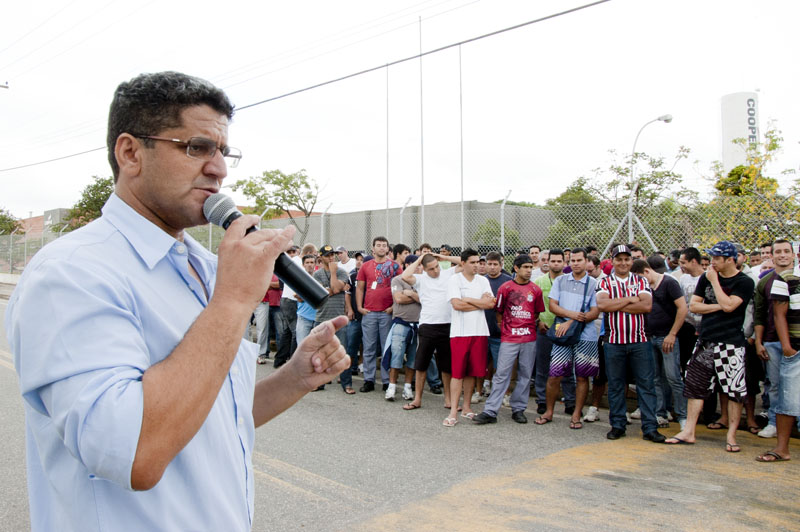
point(361, 72)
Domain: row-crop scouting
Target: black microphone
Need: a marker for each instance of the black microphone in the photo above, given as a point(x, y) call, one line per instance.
point(220, 210)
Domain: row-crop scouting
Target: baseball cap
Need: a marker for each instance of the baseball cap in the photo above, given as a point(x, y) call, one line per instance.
point(325, 250)
point(410, 259)
point(723, 249)
point(445, 246)
point(483, 258)
point(739, 248)
point(622, 248)
point(656, 263)
point(339, 248)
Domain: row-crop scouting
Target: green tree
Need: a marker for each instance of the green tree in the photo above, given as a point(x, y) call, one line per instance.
point(276, 192)
point(9, 223)
point(488, 234)
point(89, 207)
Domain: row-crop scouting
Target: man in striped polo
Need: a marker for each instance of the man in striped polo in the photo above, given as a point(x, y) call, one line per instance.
point(625, 298)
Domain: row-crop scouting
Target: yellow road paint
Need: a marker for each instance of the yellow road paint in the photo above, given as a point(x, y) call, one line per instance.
point(627, 484)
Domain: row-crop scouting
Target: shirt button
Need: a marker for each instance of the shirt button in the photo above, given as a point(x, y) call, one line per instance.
point(181, 249)
point(241, 421)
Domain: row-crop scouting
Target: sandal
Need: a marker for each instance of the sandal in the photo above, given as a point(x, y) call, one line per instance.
point(716, 425)
point(410, 406)
point(732, 447)
point(541, 420)
point(575, 425)
point(775, 457)
point(753, 430)
point(349, 391)
point(469, 415)
point(450, 422)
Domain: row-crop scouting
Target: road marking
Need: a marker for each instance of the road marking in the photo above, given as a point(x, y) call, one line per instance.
point(291, 487)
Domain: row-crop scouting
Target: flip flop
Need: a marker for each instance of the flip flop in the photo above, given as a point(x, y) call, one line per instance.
point(732, 447)
point(678, 441)
point(450, 422)
point(753, 430)
point(469, 415)
point(716, 426)
point(541, 420)
point(776, 457)
point(349, 391)
point(410, 406)
point(448, 408)
point(575, 425)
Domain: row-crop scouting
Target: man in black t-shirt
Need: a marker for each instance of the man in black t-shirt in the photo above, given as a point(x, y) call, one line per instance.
point(721, 298)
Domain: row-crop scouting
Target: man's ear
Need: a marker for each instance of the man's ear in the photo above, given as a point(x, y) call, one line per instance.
point(128, 152)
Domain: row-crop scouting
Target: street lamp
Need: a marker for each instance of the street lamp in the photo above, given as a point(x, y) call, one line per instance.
point(635, 184)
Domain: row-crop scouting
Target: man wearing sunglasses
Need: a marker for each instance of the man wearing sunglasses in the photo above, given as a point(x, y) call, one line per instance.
point(140, 395)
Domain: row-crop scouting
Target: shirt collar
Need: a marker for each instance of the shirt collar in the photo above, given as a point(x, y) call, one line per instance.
point(582, 280)
point(150, 242)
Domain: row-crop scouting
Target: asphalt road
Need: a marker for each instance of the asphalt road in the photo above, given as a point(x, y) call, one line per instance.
point(338, 462)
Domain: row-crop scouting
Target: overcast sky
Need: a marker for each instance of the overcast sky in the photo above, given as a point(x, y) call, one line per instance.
point(542, 104)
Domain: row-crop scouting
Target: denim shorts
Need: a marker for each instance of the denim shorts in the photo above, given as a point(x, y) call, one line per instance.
point(789, 403)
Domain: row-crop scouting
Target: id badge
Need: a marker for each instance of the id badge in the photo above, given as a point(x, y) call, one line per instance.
point(374, 285)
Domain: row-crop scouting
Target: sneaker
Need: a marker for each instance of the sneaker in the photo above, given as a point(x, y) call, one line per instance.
point(483, 418)
point(628, 418)
point(636, 414)
point(408, 393)
point(655, 437)
point(262, 359)
point(476, 398)
point(437, 390)
point(385, 386)
point(770, 431)
point(507, 400)
point(487, 389)
point(391, 391)
point(670, 417)
point(662, 422)
point(592, 415)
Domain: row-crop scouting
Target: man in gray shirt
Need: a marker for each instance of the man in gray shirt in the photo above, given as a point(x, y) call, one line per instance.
point(334, 278)
point(402, 338)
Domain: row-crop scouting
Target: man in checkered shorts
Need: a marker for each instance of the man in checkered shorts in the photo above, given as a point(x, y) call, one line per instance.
point(721, 298)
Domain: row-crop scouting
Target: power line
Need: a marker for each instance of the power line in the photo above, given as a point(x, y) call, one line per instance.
point(361, 72)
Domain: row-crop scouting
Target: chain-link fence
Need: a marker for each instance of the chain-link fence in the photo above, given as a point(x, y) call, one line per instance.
point(491, 226)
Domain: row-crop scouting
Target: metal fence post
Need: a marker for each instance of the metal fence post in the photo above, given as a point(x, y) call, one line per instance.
point(11, 251)
point(503, 224)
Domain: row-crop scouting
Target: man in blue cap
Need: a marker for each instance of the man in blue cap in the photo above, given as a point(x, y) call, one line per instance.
point(721, 298)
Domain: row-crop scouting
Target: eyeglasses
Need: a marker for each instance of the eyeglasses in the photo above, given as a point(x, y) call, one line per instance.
point(203, 149)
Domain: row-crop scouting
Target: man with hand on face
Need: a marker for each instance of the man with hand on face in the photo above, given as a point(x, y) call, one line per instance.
point(625, 298)
point(374, 301)
point(140, 394)
point(469, 294)
point(721, 298)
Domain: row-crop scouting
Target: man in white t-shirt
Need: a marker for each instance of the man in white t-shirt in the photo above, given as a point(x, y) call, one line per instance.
point(469, 295)
point(345, 262)
point(434, 321)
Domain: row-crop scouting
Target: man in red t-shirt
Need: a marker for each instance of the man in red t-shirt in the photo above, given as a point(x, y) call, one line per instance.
point(374, 302)
point(265, 317)
point(519, 303)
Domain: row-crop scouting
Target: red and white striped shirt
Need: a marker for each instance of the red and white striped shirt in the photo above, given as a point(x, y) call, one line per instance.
point(623, 327)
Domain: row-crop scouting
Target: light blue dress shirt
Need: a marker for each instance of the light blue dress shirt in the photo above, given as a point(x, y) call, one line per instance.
point(92, 311)
point(569, 294)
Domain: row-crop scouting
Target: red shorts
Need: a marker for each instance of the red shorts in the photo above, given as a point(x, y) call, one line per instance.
point(468, 356)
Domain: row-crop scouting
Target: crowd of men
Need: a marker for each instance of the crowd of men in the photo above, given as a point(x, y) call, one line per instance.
point(686, 330)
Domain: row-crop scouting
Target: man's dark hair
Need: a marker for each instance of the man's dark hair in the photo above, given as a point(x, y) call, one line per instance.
point(495, 256)
point(706, 258)
point(380, 239)
point(399, 248)
point(358, 254)
point(638, 266)
point(766, 245)
point(306, 257)
point(427, 259)
point(589, 248)
point(467, 253)
point(635, 248)
point(675, 254)
point(781, 241)
point(522, 259)
point(579, 250)
point(534, 246)
point(150, 103)
point(556, 252)
point(691, 254)
point(425, 245)
point(595, 259)
point(755, 253)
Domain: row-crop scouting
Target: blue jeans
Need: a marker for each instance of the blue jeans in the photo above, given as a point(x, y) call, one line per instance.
point(346, 377)
point(375, 328)
point(543, 348)
point(404, 347)
point(433, 375)
point(775, 352)
point(671, 366)
point(304, 327)
point(640, 357)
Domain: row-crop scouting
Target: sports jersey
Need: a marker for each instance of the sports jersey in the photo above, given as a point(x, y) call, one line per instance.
point(520, 306)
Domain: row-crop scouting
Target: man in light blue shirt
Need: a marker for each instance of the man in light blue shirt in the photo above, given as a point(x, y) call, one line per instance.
point(140, 395)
